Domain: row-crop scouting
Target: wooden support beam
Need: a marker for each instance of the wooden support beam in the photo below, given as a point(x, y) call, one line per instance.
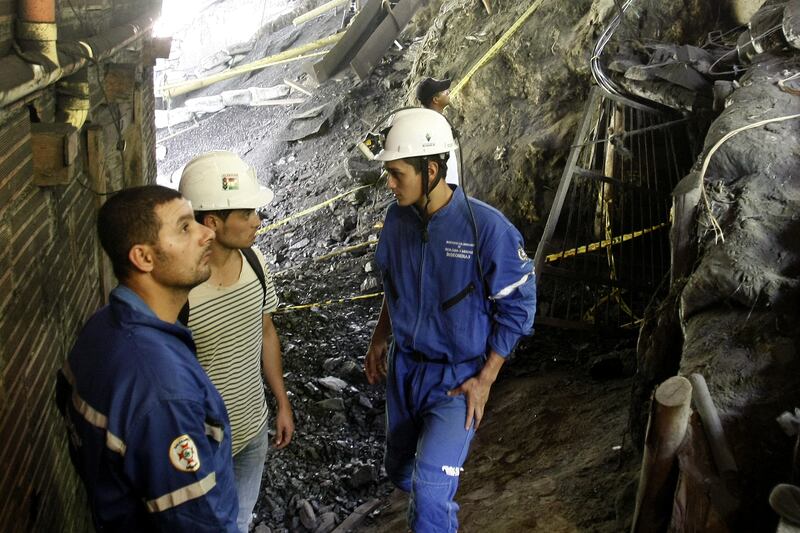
point(294, 54)
point(683, 243)
point(723, 457)
point(666, 429)
point(382, 38)
point(297, 87)
point(354, 520)
point(365, 22)
point(157, 47)
point(314, 13)
point(280, 101)
point(55, 148)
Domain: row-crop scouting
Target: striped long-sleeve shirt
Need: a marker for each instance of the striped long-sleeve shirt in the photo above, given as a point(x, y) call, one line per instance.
point(226, 323)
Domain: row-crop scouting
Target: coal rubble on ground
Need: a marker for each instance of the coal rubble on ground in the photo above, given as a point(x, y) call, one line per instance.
point(333, 464)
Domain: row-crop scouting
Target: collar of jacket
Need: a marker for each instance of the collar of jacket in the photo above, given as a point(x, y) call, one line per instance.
point(130, 310)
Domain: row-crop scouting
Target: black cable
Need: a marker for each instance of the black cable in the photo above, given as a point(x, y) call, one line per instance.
point(116, 116)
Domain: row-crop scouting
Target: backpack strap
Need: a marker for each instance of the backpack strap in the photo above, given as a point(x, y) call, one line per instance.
point(258, 268)
point(183, 316)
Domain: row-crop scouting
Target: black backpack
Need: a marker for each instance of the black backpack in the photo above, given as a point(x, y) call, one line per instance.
point(255, 264)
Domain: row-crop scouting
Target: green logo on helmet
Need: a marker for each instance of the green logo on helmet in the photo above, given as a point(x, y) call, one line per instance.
point(230, 182)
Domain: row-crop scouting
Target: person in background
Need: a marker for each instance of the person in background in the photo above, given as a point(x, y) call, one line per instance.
point(434, 94)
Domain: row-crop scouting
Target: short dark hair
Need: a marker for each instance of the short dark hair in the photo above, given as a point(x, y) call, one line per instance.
point(419, 162)
point(200, 216)
point(129, 218)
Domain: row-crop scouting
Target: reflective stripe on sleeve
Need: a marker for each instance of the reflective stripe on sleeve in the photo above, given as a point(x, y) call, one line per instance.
point(511, 288)
point(183, 494)
point(92, 415)
point(216, 433)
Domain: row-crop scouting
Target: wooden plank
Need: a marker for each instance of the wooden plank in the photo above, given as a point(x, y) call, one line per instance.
point(279, 101)
point(297, 87)
point(354, 520)
point(120, 82)
point(365, 22)
point(54, 147)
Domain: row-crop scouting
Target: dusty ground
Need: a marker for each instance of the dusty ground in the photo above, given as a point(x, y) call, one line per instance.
point(552, 454)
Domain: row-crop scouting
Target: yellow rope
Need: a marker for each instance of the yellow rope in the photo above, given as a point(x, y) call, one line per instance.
point(327, 302)
point(488, 56)
point(309, 210)
point(344, 250)
point(602, 244)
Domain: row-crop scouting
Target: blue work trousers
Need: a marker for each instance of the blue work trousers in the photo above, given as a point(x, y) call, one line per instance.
point(426, 443)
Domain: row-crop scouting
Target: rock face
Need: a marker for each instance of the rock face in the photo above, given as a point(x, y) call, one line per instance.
point(732, 315)
point(739, 306)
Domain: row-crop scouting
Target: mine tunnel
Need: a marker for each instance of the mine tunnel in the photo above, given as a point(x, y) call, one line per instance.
point(645, 153)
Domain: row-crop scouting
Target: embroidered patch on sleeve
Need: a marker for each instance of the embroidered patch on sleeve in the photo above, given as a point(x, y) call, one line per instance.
point(183, 454)
point(522, 255)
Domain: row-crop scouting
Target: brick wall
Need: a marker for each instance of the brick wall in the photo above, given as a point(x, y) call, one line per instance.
point(52, 277)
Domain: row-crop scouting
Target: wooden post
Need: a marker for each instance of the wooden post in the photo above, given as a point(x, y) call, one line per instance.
point(712, 425)
point(683, 246)
point(666, 430)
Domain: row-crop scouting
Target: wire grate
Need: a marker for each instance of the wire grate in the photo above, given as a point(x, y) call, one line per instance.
point(605, 248)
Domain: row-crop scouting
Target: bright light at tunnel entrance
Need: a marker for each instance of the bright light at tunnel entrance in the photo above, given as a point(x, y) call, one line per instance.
point(242, 17)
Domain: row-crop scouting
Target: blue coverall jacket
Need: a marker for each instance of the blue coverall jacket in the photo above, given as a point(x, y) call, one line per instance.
point(437, 301)
point(149, 434)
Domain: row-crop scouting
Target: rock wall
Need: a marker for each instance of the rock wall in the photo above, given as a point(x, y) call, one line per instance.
point(739, 307)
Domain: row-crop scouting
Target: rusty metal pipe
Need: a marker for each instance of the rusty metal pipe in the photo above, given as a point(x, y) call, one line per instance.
point(37, 31)
point(37, 10)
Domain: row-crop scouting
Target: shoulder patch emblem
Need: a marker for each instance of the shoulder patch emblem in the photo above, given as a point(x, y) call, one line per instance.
point(183, 454)
point(522, 255)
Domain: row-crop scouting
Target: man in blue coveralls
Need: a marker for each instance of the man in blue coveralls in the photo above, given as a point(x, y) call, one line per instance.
point(148, 433)
point(460, 292)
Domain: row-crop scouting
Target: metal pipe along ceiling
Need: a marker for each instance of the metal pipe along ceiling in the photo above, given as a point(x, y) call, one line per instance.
point(21, 78)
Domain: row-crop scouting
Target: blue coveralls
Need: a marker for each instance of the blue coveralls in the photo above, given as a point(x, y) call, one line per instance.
point(444, 325)
point(149, 434)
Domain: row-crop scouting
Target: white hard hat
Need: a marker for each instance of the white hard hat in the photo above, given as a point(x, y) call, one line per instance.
point(417, 132)
point(221, 180)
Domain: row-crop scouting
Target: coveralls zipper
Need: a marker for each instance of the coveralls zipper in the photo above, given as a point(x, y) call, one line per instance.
point(419, 295)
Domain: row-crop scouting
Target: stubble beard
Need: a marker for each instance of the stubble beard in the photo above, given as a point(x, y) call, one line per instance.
point(185, 281)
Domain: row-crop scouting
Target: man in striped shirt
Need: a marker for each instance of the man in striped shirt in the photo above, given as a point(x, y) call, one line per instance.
point(230, 315)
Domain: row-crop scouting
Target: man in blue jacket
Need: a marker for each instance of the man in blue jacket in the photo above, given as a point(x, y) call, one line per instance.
point(460, 292)
point(148, 432)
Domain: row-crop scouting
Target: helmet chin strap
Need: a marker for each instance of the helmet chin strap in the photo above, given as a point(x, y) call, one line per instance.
point(426, 190)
